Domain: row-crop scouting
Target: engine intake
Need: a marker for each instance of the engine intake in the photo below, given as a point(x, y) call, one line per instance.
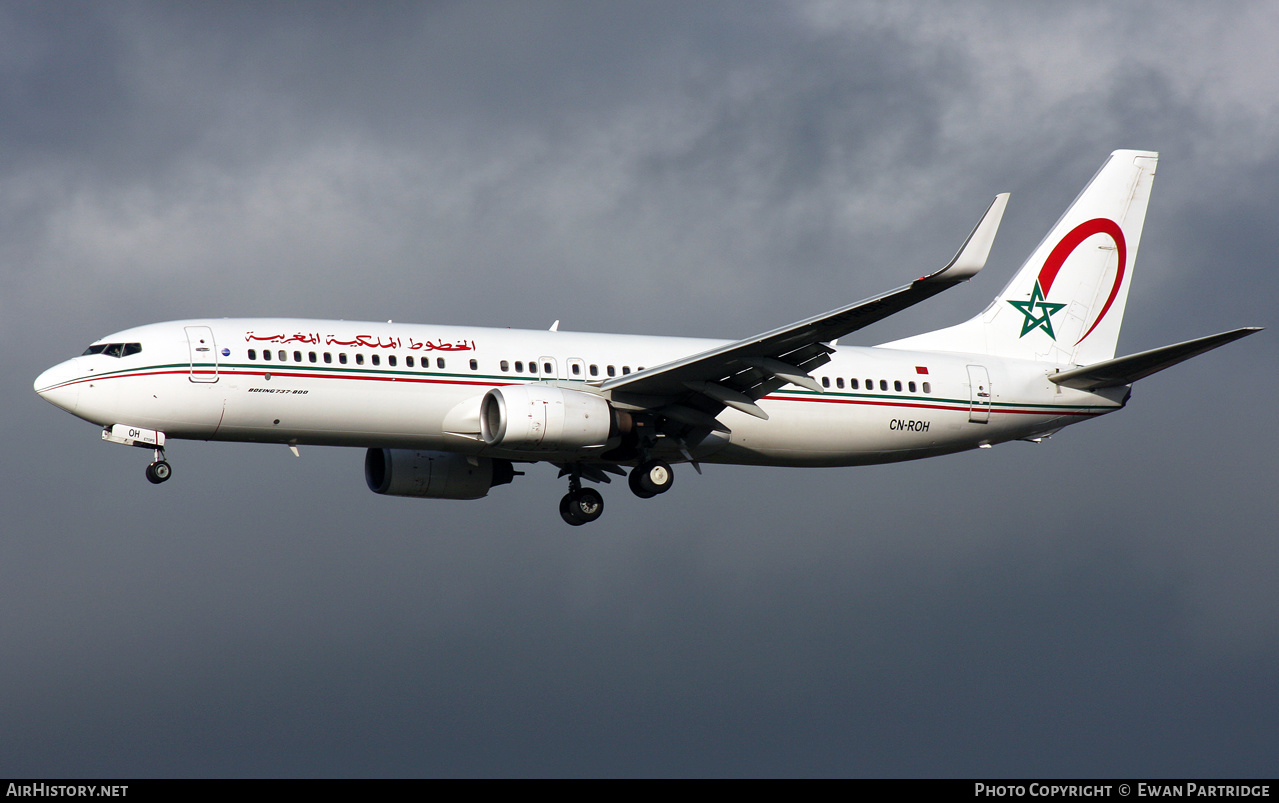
point(433, 475)
point(535, 417)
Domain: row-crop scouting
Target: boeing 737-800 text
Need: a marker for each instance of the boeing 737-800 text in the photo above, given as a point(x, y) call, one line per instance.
point(447, 412)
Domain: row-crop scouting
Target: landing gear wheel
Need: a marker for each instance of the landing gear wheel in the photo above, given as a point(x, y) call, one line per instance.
point(158, 472)
point(635, 480)
point(581, 506)
point(651, 478)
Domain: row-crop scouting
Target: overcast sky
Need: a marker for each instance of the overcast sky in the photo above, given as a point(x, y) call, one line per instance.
point(1104, 603)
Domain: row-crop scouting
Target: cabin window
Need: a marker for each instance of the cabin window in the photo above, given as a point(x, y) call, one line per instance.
point(547, 369)
point(928, 388)
point(475, 365)
point(852, 383)
point(532, 367)
point(359, 359)
point(439, 362)
point(839, 382)
point(612, 371)
point(408, 361)
point(391, 361)
point(519, 366)
point(626, 369)
point(505, 366)
point(910, 386)
point(342, 357)
point(883, 384)
point(253, 354)
point(870, 384)
point(283, 355)
point(377, 360)
point(897, 385)
point(826, 381)
point(328, 358)
point(311, 356)
point(577, 369)
point(266, 354)
point(595, 370)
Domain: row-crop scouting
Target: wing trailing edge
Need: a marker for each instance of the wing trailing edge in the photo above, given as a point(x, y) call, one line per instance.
point(1126, 370)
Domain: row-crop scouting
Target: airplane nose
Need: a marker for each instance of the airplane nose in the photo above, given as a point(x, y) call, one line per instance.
point(53, 386)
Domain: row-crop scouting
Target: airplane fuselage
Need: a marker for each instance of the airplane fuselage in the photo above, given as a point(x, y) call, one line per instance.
point(409, 386)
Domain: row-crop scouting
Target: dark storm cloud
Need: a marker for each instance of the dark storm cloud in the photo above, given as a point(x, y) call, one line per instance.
point(1102, 603)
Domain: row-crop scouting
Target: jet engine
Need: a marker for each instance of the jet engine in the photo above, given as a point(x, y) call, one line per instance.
point(433, 475)
point(535, 417)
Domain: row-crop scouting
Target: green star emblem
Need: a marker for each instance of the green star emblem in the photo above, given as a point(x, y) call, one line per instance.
point(1034, 321)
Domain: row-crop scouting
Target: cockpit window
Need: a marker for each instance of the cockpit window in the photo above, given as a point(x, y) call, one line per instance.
point(113, 349)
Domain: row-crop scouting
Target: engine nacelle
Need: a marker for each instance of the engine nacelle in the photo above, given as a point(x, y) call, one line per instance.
point(434, 475)
point(535, 417)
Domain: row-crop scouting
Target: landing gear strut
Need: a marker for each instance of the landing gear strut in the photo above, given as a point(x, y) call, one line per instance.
point(159, 470)
point(580, 505)
point(650, 478)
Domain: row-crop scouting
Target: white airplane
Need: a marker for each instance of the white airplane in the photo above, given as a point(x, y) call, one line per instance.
point(447, 412)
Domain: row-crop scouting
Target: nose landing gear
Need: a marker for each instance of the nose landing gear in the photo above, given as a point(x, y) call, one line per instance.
point(159, 470)
point(128, 435)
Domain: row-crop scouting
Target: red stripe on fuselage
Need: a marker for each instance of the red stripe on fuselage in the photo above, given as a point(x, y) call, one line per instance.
point(477, 383)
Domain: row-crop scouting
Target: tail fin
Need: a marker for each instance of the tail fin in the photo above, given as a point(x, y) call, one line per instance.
point(1066, 303)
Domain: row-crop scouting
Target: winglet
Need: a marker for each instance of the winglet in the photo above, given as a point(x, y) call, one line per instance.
point(972, 254)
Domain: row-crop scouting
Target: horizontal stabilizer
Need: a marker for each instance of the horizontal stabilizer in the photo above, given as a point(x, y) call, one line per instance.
point(1126, 370)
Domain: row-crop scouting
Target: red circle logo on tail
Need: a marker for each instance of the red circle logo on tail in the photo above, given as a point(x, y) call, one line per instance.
point(1066, 247)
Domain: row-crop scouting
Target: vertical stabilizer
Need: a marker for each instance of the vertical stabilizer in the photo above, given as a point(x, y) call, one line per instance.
point(1066, 303)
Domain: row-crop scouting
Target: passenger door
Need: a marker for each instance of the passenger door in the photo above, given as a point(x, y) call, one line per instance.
point(979, 394)
point(204, 354)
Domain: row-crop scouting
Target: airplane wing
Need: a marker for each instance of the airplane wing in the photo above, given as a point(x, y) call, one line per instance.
point(1126, 370)
point(693, 390)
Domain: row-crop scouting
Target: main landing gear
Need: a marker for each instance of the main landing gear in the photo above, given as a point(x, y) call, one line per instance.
point(650, 478)
point(581, 505)
point(159, 470)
